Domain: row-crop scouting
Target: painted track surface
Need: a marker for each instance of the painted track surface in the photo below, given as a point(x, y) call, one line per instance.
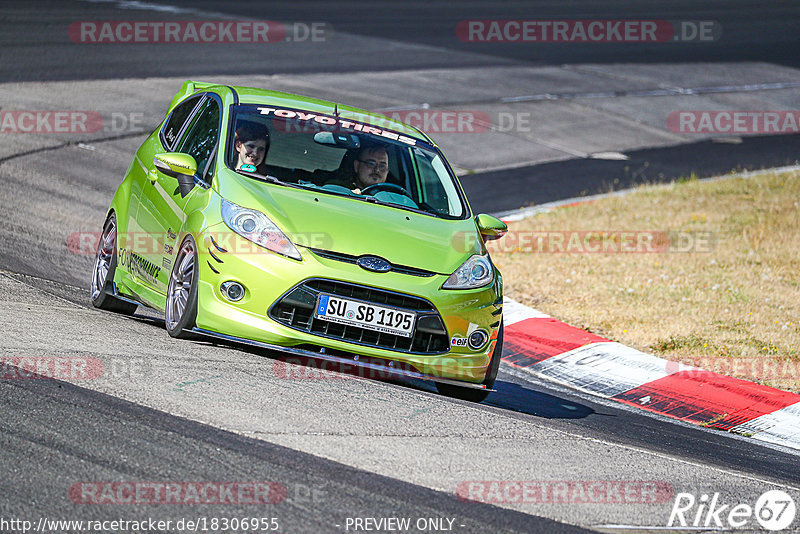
point(183, 411)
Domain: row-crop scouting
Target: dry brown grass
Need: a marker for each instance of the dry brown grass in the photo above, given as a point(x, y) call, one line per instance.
point(734, 309)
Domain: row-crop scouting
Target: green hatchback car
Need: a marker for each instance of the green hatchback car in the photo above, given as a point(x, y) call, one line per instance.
point(308, 227)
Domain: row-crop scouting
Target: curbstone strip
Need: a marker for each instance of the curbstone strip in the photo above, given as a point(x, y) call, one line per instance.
point(556, 351)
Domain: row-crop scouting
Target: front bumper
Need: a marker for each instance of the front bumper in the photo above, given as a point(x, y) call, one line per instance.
point(267, 277)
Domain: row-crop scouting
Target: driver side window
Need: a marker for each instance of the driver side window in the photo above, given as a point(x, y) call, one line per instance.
point(201, 137)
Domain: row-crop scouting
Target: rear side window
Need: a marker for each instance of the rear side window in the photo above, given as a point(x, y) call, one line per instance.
point(172, 129)
point(202, 134)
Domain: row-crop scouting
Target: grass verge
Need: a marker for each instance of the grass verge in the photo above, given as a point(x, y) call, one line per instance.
point(702, 272)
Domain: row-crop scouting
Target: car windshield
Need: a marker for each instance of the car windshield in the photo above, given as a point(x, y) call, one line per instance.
point(330, 154)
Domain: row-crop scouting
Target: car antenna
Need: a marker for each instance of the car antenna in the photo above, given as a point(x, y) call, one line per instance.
point(336, 110)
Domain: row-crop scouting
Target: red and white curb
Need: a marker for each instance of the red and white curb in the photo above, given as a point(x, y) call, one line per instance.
point(568, 355)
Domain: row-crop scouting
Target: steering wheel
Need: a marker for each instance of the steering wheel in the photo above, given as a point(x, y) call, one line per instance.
point(384, 186)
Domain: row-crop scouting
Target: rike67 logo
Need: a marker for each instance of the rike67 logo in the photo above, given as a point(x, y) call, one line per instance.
point(773, 510)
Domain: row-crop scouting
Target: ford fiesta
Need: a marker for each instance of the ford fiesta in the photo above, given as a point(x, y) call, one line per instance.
point(308, 227)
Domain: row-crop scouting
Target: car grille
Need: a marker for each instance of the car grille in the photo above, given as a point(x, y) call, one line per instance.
point(296, 310)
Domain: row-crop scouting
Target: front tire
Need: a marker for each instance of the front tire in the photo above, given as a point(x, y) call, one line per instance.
point(105, 264)
point(477, 395)
point(181, 307)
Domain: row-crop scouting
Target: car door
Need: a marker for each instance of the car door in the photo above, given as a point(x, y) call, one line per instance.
point(162, 204)
point(138, 242)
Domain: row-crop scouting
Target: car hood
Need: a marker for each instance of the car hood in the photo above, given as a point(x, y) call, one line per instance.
point(354, 227)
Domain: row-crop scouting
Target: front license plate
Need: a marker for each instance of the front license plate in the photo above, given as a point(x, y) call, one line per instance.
point(365, 315)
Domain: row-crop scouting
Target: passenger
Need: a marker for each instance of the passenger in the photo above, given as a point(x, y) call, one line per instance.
point(251, 144)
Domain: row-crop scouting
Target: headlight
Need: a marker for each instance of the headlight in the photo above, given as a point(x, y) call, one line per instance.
point(256, 227)
point(475, 272)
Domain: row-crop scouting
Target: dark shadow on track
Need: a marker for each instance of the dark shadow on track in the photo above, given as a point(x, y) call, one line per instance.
point(513, 396)
point(508, 395)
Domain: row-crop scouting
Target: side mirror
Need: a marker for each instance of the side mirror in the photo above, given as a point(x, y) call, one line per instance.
point(180, 166)
point(175, 163)
point(491, 228)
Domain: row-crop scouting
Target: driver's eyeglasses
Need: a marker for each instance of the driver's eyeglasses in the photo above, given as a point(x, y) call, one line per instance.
point(372, 164)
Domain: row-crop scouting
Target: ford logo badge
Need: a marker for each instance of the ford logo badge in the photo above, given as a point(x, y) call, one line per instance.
point(374, 264)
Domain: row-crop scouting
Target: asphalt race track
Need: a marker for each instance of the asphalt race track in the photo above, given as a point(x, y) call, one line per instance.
point(331, 447)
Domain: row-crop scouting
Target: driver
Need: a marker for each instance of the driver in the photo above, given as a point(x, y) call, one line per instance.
point(371, 166)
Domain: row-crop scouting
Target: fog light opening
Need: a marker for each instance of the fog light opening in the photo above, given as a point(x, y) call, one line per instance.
point(477, 339)
point(233, 291)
